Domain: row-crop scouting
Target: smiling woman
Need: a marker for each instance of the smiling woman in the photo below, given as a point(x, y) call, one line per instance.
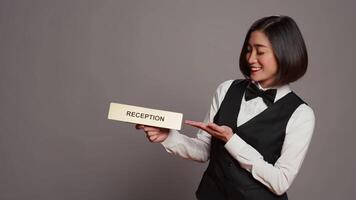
point(261, 59)
point(274, 45)
point(257, 131)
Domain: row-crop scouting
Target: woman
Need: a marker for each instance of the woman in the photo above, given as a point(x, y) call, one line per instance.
point(257, 131)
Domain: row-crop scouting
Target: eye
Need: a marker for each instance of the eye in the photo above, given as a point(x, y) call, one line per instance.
point(248, 49)
point(260, 53)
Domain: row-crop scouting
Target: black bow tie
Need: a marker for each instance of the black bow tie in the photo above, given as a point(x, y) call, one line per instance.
point(252, 91)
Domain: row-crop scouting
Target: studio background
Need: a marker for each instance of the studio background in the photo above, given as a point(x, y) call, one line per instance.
point(62, 62)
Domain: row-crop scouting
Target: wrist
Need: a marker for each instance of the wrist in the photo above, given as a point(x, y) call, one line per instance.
point(228, 137)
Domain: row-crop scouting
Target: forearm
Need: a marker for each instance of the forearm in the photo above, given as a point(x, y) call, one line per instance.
point(196, 149)
point(278, 176)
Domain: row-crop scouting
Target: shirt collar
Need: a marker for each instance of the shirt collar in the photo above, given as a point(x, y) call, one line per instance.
point(281, 90)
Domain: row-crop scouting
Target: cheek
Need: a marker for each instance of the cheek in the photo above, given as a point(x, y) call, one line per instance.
point(269, 63)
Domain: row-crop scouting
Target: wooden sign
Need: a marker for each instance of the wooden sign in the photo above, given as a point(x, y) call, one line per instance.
point(145, 116)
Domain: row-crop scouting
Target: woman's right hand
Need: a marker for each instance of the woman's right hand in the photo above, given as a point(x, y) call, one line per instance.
point(154, 134)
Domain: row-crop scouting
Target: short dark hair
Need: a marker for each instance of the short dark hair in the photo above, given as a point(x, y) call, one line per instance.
point(287, 44)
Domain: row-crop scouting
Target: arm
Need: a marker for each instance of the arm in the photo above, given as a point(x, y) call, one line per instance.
point(278, 177)
point(197, 148)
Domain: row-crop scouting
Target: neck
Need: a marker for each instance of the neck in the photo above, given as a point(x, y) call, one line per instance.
point(266, 85)
point(263, 86)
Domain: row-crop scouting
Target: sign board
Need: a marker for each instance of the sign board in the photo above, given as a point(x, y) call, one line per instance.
point(145, 116)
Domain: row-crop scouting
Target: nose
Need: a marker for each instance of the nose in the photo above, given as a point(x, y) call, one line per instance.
point(251, 58)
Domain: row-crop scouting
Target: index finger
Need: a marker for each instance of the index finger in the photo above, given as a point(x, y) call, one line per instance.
point(195, 124)
point(215, 127)
point(201, 125)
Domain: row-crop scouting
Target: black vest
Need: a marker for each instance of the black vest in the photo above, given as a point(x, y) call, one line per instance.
point(224, 177)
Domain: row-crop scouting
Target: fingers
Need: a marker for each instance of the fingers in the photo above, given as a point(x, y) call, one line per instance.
point(139, 126)
point(216, 127)
point(196, 124)
point(152, 133)
point(147, 128)
point(150, 130)
point(152, 138)
point(202, 126)
point(157, 137)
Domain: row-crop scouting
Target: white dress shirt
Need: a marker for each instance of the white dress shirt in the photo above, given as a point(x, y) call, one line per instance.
point(277, 177)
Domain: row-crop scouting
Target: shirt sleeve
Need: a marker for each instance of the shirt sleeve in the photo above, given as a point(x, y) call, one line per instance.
point(197, 148)
point(278, 177)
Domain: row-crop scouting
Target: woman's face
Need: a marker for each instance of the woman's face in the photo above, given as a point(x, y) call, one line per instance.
point(261, 59)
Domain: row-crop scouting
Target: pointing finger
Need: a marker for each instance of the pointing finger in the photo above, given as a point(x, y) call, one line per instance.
point(195, 123)
point(215, 127)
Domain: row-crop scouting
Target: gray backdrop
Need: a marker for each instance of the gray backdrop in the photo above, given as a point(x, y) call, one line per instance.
point(62, 62)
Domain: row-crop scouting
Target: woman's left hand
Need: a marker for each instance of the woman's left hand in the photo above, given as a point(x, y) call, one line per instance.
point(223, 133)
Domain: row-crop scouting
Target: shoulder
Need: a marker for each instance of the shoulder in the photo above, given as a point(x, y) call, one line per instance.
point(221, 91)
point(224, 86)
point(304, 110)
point(302, 118)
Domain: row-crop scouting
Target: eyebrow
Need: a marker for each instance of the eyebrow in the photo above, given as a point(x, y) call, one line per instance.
point(259, 45)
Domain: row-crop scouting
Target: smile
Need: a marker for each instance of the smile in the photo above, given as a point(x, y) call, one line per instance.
point(255, 69)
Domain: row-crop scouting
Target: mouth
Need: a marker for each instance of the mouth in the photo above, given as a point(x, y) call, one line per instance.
point(255, 69)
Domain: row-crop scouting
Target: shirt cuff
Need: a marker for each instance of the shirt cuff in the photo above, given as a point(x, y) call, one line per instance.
point(172, 138)
point(244, 153)
point(235, 145)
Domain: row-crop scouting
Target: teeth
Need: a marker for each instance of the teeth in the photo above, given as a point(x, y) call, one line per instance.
point(255, 68)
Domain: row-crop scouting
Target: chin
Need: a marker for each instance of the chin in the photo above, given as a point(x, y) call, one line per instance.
point(256, 79)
